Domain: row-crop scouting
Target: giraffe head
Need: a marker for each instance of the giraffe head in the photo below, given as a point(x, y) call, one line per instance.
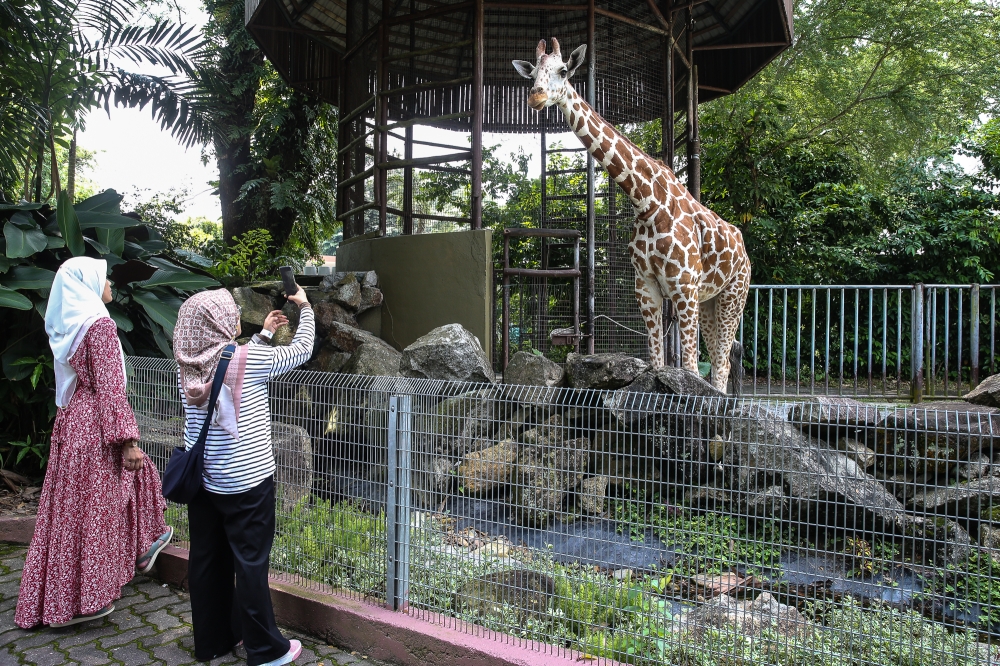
point(550, 74)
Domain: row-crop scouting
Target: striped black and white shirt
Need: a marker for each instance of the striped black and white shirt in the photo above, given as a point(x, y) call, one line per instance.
point(233, 466)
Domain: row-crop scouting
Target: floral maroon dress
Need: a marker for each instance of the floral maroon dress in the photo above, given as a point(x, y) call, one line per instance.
point(95, 518)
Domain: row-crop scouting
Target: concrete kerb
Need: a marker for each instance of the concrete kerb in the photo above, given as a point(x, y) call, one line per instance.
point(352, 624)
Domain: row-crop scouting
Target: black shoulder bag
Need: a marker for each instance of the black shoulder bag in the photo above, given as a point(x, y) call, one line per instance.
point(183, 476)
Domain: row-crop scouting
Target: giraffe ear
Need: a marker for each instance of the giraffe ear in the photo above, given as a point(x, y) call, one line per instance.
point(524, 68)
point(577, 58)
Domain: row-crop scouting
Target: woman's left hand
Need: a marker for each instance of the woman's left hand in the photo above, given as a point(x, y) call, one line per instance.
point(274, 320)
point(132, 457)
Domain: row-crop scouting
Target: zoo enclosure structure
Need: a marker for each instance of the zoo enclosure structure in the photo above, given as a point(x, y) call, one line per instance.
point(393, 65)
point(635, 526)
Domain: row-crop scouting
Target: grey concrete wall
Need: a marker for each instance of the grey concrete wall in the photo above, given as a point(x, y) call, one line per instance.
point(428, 280)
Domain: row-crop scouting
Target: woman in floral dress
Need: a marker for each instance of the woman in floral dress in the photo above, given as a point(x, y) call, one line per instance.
point(100, 516)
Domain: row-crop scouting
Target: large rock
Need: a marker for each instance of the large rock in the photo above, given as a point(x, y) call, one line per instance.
point(968, 498)
point(534, 370)
point(373, 359)
point(371, 297)
point(448, 352)
point(987, 393)
point(942, 434)
point(603, 371)
point(521, 593)
point(831, 418)
point(593, 492)
point(328, 359)
point(642, 398)
point(545, 474)
point(750, 618)
point(346, 291)
point(327, 313)
point(255, 306)
point(293, 478)
point(487, 469)
point(764, 450)
point(345, 338)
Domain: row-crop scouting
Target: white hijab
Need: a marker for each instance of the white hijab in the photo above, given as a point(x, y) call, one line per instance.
point(74, 305)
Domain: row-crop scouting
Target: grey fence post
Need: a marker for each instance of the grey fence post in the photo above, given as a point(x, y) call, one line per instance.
point(917, 344)
point(397, 503)
point(973, 339)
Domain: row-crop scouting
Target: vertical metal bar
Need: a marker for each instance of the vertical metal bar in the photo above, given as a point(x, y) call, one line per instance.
point(784, 336)
point(993, 324)
point(693, 149)
point(871, 333)
point(857, 327)
point(843, 319)
point(958, 345)
point(826, 356)
point(974, 337)
point(576, 293)
point(667, 122)
point(812, 346)
point(756, 335)
point(899, 339)
point(505, 334)
point(770, 335)
point(543, 184)
point(404, 446)
point(408, 147)
point(477, 117)
point(917, 344)
point(932, 339)
point(390, 506)
point(947, 335)
point(382, 116)
point(591, 209)
point(798, 343)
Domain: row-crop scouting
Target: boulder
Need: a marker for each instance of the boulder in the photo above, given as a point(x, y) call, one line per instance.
point(534, 370)
point(593, 492)
point(344, 338)
point(857, 452)
point(943, 434)
point(487, 469)
point(603, 371)
point(328, 359)
point(328, 312)
point(463, 423)
point(255, 306)
point(344, 290)
point(967, 498)
point(831, 418)
point(766, 450)
point(544, 476)
point(523, 593)
point(640, 399)
point(293, 478)
point(750, 618)
point(371, 297)
point(448, 352)
point(987, 393)
point(373, 359)
point(978, 467)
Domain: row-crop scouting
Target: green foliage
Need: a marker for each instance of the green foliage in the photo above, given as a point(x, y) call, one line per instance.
point(250, 258)
point(195, 240)
point(37, 239)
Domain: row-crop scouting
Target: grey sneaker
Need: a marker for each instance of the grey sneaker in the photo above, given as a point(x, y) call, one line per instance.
point(77, 619)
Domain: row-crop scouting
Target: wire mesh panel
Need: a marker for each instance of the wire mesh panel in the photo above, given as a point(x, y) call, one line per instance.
point(632, 524)
point(329, 438)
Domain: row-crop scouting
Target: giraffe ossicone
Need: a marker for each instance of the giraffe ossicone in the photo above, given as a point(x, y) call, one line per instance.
point(680, 249)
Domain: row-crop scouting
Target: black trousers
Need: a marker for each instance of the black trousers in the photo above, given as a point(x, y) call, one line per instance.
point(231, 538)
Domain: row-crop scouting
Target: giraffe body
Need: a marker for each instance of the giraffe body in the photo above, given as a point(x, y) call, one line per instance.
point(680, 249)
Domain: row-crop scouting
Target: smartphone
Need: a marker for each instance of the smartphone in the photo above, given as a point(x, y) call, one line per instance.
point(288, 280)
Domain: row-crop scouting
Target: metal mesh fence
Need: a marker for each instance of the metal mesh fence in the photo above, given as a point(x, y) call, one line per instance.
point(637, 526)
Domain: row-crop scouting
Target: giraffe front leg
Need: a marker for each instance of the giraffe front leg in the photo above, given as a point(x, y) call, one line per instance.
point(647, 292)
point(685, 301)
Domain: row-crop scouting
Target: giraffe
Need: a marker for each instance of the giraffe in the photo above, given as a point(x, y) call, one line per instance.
point(680, 249)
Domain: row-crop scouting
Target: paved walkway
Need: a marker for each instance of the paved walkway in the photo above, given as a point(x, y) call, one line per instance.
point(151, 625)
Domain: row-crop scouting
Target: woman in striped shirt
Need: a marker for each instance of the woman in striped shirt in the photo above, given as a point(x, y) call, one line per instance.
point(232, 518)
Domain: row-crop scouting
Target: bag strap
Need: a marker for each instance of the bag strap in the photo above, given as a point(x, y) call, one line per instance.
point(220, 377)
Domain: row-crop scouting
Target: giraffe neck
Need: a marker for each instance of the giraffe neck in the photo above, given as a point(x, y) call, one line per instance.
point(625, 163)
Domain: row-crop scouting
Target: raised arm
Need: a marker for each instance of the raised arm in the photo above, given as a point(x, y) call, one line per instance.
point(301, 347)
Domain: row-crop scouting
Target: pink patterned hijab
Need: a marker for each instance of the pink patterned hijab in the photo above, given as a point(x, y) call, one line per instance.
point(206, 324)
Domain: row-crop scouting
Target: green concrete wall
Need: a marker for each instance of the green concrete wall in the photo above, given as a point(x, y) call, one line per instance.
point(428, 280)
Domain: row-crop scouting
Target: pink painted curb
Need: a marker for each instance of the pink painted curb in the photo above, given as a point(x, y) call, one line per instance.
point(17, 529)
point(375, 631)
point(382, 634)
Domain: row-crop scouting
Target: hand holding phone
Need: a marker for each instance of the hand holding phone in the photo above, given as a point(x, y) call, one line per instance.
point(288, 280)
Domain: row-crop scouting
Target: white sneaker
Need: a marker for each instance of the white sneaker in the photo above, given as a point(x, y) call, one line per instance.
point(294, 650)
